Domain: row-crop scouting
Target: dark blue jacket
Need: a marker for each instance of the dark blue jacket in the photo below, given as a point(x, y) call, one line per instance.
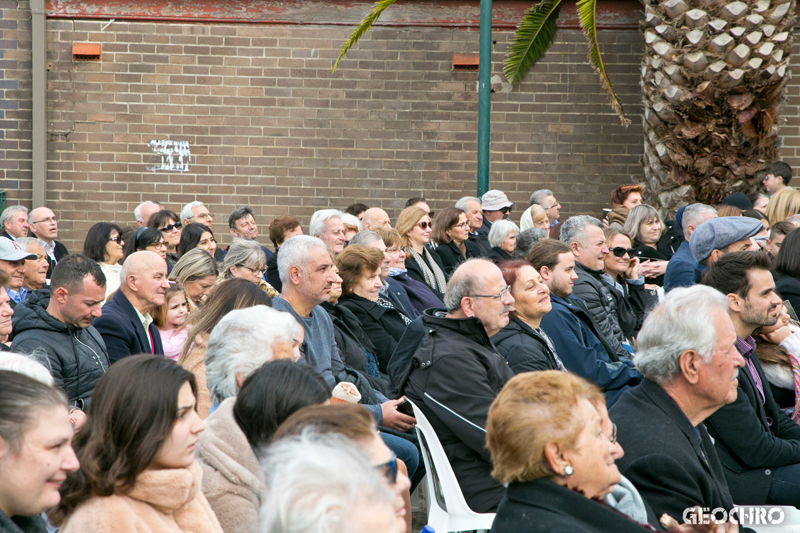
point(420, 295)
point(123, 332)
point(579, 348)
point(397, 293)
point(682, 270)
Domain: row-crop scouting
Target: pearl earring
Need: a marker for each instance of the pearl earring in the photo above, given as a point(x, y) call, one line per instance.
point(568, 471)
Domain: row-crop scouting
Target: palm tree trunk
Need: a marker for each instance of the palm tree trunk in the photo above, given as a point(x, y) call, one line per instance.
point(712, 80)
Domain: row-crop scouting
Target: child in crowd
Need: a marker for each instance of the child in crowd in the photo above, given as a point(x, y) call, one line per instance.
point(170, 319)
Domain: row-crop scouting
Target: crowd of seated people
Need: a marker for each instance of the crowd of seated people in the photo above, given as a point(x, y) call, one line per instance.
point(589, 373)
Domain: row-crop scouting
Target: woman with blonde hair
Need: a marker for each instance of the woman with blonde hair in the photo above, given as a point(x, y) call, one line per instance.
point(782, 205)
point(196, 271)
point(414, 227)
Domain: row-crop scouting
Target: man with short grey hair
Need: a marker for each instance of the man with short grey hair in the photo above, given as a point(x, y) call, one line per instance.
point(687, 355)
point(14, 220)
point(35, 269)
point(545, 199)
point(584, 235)
point(525, 241)
point(474, 211)
point(446, 364)
point(327, 225)
point(196, 213)
point(144, 211)
point(682, 269)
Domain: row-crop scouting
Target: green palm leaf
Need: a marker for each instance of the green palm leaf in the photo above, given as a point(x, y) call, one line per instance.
point(534, 36)
point(586, 13)
point(362, 27)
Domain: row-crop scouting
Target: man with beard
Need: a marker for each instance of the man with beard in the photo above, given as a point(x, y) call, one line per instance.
point(446, 364)
point(758, 444)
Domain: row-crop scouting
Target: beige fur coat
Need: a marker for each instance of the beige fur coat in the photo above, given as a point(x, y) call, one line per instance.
point(163, 501)
point(232, 479)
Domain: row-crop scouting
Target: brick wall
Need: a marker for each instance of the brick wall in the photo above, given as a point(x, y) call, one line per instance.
point(270, 126)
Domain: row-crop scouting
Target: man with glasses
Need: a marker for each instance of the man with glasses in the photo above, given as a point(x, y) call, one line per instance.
point(446, 364)
point(584, 235)
point(495, 205)
point(42, 222)
point(578, 341)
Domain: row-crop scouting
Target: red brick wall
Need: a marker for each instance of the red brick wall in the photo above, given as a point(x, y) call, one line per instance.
point(270, 126)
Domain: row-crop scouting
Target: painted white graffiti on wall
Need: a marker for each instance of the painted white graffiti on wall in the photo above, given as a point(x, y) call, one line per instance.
point(173, 156)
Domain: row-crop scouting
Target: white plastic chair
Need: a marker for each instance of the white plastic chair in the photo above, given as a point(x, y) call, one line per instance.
point(447, 510)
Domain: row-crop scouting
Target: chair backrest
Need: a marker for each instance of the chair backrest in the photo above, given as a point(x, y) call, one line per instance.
point(448, 492)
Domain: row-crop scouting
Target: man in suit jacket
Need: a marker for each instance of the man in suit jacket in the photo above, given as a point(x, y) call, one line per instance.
point(688, 374)
point(126, 325)
point(42, 222)
point(14, 220)
point(758, 444)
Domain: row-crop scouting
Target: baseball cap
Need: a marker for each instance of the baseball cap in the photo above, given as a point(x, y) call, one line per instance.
point(10, 251)
point(717, 233)
point(495, 200)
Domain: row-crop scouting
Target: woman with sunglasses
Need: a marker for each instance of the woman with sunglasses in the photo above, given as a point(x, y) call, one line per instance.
point(451, 235)
point(170, 226)
point(104, 245)
point(621, 267)
point(414, 226)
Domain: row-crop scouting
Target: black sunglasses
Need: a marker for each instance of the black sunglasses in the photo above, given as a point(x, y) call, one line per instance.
point(505, 210)
point(117, 239)
point(389, 470)
point(620, 251)
point(170, 227)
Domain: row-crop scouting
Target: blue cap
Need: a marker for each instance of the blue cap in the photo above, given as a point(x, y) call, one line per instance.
point(718, 233)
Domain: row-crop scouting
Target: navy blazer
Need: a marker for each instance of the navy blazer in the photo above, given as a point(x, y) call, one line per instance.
point(682, 270)
point(122, 330)
point(748, 446)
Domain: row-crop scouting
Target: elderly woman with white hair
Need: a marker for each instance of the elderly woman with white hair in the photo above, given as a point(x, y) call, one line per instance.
point(503, 238)
point(245, 259)
point(244, 340)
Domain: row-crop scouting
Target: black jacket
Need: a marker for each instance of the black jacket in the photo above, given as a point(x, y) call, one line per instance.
point(600, 303)
point(663, 458)
point(747, 445)
point(481, 242)
point(449, 368)
point(60, 252)
point(789, 289)
point(123, 332)
point(541, 506)
point(414, 272)
point(632, 306)
point(382, 326)
point(524, 348)
point(666, 247)
point(77, 357)
point(273, 276)
point(352, 343)
point(498, 255)
point(451, 257)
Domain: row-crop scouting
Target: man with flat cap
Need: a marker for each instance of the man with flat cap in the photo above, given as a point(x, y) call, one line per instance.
point(719, 236)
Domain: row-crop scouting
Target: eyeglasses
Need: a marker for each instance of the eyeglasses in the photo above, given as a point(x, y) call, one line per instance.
point(505, 210)
point(558, 205)
point(117, 239)
point(170, 227)
point(161, 245)
point(424, 225)
point(432, 214)
point(613, 438)
point(502, 293)
point(204, 215)
point(50, 219)
point(464, 225)
point(389, 469)
point(396, 249)
point(620, 251)
point(253, 270)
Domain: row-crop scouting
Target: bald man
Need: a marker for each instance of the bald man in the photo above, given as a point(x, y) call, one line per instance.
point(43, 223)
point(126, 325)
point(374, 218)
point(446, 364)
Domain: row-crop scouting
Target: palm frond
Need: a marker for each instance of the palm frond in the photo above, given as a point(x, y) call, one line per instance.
point(586, 14)
point(533, 38)
point(362, 27)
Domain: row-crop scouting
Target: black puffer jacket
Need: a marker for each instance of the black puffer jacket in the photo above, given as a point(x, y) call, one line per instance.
point(77, 357)
point(597, 296)
point(524, 348)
